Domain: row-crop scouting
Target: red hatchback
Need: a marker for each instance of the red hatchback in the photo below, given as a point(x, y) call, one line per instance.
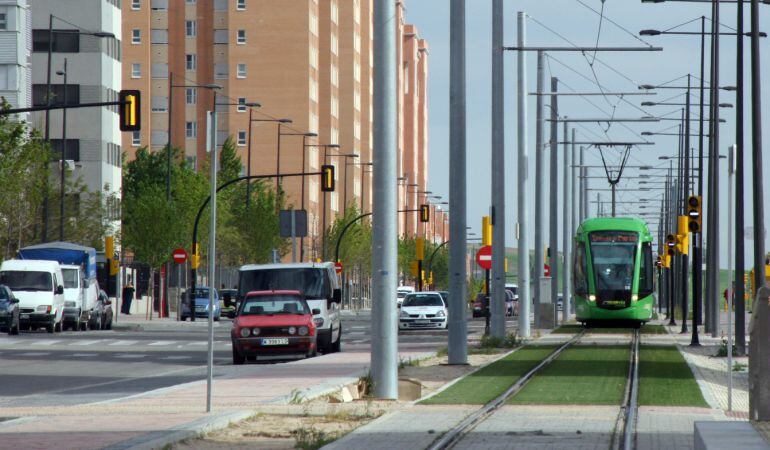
point(273, 325)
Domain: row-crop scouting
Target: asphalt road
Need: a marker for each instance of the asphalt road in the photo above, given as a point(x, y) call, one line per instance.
point(70, 368)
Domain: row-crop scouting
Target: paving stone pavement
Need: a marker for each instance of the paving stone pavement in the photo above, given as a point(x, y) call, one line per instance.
point(663, 428)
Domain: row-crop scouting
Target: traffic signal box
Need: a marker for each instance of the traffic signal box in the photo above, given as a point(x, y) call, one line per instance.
point(486, 230)
point(694, 223)
point(327, 178)
point(195, 257)
point(424, 213)
point(683, 235)
point(129, 114)
point(419, 248)
point(671, 245)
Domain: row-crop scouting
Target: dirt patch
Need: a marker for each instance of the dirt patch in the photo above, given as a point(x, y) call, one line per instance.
point(316, 423)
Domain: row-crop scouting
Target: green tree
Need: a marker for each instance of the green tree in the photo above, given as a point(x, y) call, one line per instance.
point(356, 244)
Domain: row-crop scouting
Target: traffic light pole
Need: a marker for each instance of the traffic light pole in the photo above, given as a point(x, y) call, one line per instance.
point(9, 111)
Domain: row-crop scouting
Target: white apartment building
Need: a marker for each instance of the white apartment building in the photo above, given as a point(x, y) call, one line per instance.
point(15, 53)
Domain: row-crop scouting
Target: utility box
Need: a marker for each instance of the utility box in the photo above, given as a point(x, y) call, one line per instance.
point(547, 311)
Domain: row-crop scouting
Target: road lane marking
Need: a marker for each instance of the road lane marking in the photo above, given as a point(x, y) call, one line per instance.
point(34, 354)
point(46, 342)
point(84, 343)
point(125, 343)
point(129, 355)
point(157, 343)
point(177, 357)
point(84, 355)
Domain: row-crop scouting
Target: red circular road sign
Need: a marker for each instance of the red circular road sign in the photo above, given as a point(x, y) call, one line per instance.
point(338, 267)
point(179, 255)
point(546, 270)
point(484, 257)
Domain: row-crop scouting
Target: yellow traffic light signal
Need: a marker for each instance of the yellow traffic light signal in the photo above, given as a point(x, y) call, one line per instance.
point(667, 261)
point(694, 213)
point(419, 248)
point(413, 268)
point(683, 235)
point(109, 247)
point(671, 245)
point(486, 230)
point(195, 258)
point(114, 267)
point(327, 178)
point(129, 115)
point(424, 213)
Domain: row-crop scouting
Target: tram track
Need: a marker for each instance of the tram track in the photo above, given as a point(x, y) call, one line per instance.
point(625, 426)
point(457, 433)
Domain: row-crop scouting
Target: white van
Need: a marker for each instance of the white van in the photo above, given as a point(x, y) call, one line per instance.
point(39, 287)
point(318, 282)
point(80, 296)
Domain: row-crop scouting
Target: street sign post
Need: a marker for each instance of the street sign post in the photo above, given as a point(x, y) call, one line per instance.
point(338, 267)
point(484, 257)
point(179, 255)
point(546, 270)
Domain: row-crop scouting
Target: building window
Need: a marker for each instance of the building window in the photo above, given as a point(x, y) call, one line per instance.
point(190, 2)
point(191, 96)
point(191, 129)
point(240, 5)
point(136, 4)
point(191, 62)
point(241, 72)
point(191, 28)
point(136, 138)
point(241, 104)
point(65, 42)
point(136, 70)
point(241, 139)
point(241, 38)
point(3, 21)
point(39, 92)
point(71, 154)
point(136, 36)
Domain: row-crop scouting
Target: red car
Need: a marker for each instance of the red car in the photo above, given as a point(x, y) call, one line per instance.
point(273, 325)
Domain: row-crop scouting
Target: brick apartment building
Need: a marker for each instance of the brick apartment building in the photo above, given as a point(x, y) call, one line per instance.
point(309, 61)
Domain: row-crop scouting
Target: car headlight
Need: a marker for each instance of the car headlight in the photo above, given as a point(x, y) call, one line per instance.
point(292, 330)
point(43, 308)
point(318, 321)
point(255, 331)
point(245, 332)
point(404, 314)
point(440, 314)
point(303, 331)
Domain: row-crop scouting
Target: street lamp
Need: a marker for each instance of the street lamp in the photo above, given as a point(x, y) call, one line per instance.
point(721, 105)
point(248, 151)
point(171, 86)
point(63, 73)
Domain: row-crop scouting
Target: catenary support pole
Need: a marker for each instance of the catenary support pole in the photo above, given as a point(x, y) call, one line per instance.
point(740, 249)
point(553, 216)
point(457, 349)
point(384, 231)
point(583, 186)
point(212, 249)
point(523, 170)
point(685, 192)
point(730, 284)
point(565, 223)
point(498, 174)
point(539, 185)
point(713, 271)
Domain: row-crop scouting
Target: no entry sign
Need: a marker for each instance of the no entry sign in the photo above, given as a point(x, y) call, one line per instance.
point(484, 257)
point(338, 267)
point(179, 255)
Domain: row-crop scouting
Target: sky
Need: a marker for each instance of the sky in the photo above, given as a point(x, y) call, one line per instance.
point(568, 22)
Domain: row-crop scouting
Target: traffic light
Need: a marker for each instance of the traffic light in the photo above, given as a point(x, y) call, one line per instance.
point(424, 213)
point(195, 258)
point(671, 244)
point(419, 248)
point(694, 213)
point(130, 115)
point(109, 247)
point(486, 230)
point(683, 235)
point(327, 178)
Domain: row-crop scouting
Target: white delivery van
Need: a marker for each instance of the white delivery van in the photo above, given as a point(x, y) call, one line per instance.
point(39, 287)
point(80, 296)
point(318, 282)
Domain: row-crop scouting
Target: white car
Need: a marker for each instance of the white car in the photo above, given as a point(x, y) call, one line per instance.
point(421, 310)
point(401, 293)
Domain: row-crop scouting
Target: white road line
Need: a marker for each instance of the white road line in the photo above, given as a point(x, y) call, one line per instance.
point(46, 342)
point(34, 354)
point(10, 341)
point(84, 355)
point(129, 356)
point(177, 357)
point(125, 343)
point(158, 343)
point(84, 343)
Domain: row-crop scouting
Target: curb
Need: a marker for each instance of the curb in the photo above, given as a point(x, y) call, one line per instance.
point(127, 327)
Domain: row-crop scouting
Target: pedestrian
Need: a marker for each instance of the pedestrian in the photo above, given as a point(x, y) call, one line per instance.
point(128, 296)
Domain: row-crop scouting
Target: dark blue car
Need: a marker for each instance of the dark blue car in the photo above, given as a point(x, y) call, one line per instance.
point(201, 302)
point(9, 311)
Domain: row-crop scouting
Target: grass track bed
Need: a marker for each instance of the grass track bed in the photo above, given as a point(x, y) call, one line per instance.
point(665, 379)
point(590, 375)
point(489, 382)
point(576, 328)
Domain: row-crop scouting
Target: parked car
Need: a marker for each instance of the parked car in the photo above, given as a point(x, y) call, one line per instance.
point(478, 305)
point(201, 301)
point(318, 283)
point(273, 325)
point(228, 302)
point(422, 310)
point(38, 286)
point(511, 304)
point(9, 311)
point(101, 317)
point(401, 293)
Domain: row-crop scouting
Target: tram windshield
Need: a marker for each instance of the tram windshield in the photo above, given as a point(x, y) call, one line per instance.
point(613, 254)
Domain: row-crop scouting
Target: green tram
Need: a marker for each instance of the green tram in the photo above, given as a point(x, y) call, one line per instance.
point(613, 271)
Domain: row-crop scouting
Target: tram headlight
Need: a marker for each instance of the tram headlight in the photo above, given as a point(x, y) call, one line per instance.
point(634, 297)
point(591, 298)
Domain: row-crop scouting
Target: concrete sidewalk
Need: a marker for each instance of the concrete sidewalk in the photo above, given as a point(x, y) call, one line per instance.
point(156, 418)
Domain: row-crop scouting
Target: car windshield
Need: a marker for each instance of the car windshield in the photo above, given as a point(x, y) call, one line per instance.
point(423, 300)
point(22, 280)
point(3, 294)
point(268, 305)
point(70, 278)
point(203, 293)
point(401, 294)
point(312, 282)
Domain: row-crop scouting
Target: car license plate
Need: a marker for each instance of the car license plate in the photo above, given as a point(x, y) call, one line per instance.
point(422, 321)
point(275, 341)
point(24, 316)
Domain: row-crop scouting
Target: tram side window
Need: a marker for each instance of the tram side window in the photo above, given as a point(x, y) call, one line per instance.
point(580, 278)
point(646, 273)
